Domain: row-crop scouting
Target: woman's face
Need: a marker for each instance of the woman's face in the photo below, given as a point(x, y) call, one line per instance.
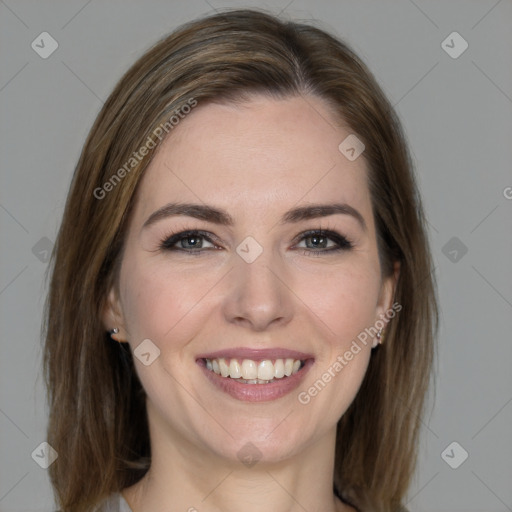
point(253, 287)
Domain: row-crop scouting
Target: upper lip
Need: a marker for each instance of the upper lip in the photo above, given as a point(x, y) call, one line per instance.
point(255, 354)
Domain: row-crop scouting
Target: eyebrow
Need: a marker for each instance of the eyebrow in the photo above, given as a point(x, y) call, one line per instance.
point(221, 217)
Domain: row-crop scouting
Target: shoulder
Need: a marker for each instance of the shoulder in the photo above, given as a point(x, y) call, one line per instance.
point(113, 503)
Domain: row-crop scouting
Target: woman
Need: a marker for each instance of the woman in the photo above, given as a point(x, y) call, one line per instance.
point(241, 312)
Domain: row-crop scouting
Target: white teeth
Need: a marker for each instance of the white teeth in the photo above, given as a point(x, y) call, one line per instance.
point(252, 372)
point(266, 370)
point(224, 368)
point(288, 367)
point(249, 369)
point(279, 369)
point(235, 371)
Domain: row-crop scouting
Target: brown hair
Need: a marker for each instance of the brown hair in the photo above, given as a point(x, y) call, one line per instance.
point(97, 416)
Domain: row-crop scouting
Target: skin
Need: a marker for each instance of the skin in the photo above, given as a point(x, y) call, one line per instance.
point(256, 161)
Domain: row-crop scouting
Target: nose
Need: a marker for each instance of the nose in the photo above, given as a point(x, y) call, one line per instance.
point(258, 296)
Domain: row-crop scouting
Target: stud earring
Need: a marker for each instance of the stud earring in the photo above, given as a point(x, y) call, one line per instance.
point(115, 330)
point(380, 337)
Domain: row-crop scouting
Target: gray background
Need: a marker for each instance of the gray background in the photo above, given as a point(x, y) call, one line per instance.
point(457, 114)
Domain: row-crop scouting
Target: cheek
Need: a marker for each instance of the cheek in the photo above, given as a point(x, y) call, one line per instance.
point(159, 301)
point(345, 307)
point(344, 299)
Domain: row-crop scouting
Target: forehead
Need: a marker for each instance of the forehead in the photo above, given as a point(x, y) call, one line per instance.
point(265, 154)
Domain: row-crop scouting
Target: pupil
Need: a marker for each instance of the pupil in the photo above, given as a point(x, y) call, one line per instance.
point(316, 240)
point(194, 240)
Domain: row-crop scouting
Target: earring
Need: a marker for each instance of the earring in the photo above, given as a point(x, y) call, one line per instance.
point(380, 337)
point(115, 330)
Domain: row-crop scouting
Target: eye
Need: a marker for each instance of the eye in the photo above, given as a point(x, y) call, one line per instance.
point(187, 241)
point(319, 241)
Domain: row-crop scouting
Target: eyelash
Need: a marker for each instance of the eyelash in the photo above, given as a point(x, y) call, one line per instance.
point(343, 244)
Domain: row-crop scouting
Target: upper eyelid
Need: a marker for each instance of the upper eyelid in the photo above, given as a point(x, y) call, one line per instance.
point(185, 233)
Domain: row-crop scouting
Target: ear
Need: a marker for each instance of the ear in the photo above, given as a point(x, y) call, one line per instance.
point(112, 316)
point(387, 294)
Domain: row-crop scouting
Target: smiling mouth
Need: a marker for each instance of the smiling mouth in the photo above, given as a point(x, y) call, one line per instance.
point(249, 371)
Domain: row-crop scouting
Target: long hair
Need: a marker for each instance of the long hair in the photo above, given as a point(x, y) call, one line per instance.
point(97, 412)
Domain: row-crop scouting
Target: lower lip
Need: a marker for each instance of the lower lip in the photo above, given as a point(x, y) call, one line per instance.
point(257, 392)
